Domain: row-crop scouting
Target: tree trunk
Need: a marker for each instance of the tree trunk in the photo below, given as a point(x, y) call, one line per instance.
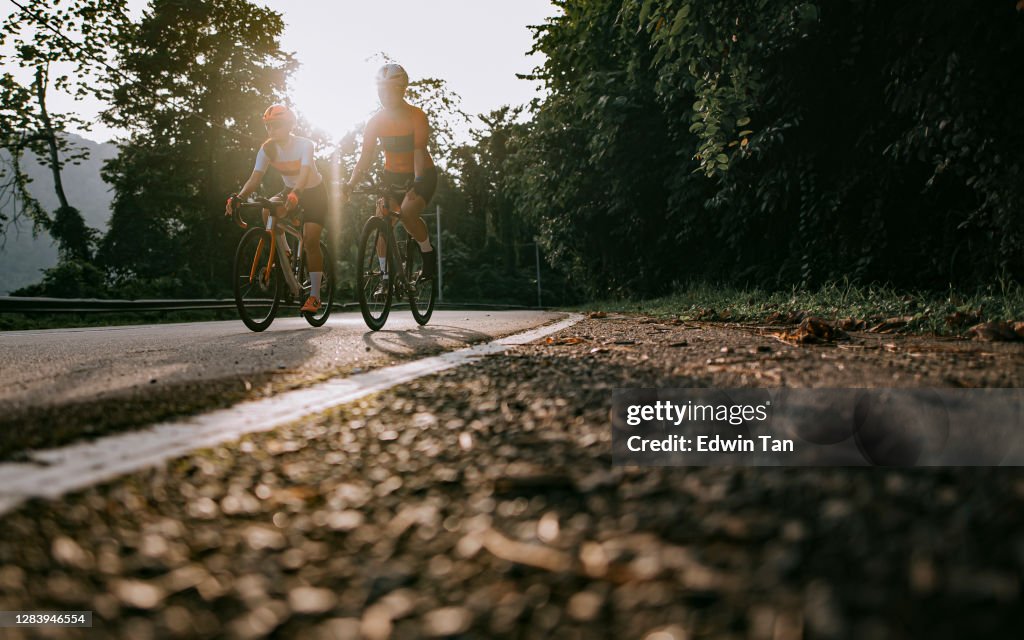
point(50, 136)
point(68, 227)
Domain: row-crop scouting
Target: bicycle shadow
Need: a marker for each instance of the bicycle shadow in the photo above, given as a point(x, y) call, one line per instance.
point(432, 339)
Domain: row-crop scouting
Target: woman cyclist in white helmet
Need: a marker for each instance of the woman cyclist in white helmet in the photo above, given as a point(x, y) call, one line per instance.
point(402, 130)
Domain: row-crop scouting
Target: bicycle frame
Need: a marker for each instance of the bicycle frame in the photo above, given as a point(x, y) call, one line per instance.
point(393, 218)
point(289, 277)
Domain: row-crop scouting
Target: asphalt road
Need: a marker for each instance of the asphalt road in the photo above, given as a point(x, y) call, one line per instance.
point(41, 371)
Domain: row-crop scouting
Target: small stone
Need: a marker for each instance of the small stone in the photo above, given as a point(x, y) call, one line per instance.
point(547, 528)
point(584, 606)
point(137, 594)
point(67, 552)
point(672, 632)
point(258, 538)
point(447, 621)
point(376, 623)
point(345, 520)
point(311, 600)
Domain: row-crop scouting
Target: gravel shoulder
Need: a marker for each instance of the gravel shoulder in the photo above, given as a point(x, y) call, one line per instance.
point(481, 502)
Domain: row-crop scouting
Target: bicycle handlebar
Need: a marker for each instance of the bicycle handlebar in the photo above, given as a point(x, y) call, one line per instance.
point(254, 203)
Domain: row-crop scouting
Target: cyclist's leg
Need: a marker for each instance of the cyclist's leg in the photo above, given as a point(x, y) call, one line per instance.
point(311, 242)
point(314, 206)
point(389, 203)
point(412, 207)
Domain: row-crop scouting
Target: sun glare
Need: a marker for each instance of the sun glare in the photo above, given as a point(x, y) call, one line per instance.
point(335, 98)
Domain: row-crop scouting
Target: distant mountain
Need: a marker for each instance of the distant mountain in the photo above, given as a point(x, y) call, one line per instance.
point(23, 257)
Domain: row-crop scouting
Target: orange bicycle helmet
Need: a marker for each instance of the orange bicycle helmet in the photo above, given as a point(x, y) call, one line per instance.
point(279, 113)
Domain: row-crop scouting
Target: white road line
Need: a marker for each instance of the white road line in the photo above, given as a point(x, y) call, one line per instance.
point(78, 466)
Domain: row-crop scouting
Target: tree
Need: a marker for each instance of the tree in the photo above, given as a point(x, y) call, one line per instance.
point(46, 35)
point(774, 143)
point(202, 73)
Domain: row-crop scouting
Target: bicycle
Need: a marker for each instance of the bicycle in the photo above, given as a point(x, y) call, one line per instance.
point(260, 283)
point(374, 285)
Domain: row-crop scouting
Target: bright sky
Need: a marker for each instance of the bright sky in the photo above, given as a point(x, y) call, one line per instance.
point(477, 46)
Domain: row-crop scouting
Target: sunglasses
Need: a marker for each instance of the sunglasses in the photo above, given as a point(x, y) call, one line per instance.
point(274, 126)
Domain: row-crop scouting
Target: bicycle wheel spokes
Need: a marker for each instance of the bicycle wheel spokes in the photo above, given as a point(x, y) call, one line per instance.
point(374, 285)
point(256, 286)
point(423, 292)
point(377, 281)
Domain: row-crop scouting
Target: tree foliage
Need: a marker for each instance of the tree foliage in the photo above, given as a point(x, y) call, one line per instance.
point(195, 77)
point(46, 39)
point(778, 142)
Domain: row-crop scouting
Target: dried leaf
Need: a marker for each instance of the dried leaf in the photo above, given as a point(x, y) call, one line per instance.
point(531, 555)
point(849, 324)
point(995, 332)
point(812, 331)
point(567, 340)
point(890, 325)
point(959, 319)
point(597, 315)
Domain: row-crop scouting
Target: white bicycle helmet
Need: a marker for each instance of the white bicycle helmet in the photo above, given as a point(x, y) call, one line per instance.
point(393, 74)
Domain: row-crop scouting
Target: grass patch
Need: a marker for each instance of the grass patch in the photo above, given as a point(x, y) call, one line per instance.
point(940, 313)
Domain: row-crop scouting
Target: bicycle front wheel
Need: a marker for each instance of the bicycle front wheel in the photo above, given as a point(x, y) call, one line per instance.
point(423, 293)
point(374, 286)
point(326, 287)
point(257, 286)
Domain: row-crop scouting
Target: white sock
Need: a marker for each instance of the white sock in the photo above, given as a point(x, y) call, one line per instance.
point(425, 245)
point(314, 279)
point(383, 264)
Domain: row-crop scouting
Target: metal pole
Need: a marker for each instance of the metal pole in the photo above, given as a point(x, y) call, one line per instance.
point(440, 278)
point(536, 255)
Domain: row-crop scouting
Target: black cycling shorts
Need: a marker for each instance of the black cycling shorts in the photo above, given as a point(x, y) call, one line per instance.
point(313, 202)
point(398, 183)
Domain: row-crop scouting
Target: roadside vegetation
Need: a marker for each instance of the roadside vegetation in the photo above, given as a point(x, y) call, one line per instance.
point(852, 307)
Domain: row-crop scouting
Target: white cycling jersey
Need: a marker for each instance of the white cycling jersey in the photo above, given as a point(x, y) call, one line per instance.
point(289, 159)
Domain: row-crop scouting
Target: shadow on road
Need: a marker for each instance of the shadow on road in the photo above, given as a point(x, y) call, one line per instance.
point(421, 339)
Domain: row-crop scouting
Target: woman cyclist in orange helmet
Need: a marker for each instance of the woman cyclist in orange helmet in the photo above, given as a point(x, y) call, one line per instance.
point(403, 131)
point(292, 156)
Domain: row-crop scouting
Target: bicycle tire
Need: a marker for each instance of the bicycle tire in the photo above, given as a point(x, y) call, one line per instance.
point(249, 256)
point(327, 284)
point(424, 294)
point(375, 309)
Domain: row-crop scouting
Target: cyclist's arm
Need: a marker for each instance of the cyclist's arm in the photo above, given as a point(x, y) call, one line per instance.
point(251, 184)
point(262, 164)
point(420, 135)
point(366, 154)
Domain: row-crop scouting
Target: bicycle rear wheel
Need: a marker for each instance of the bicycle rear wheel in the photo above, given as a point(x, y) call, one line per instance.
point(374, 291)
point(424, 293)
point(257, 292)
point(326, 287)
